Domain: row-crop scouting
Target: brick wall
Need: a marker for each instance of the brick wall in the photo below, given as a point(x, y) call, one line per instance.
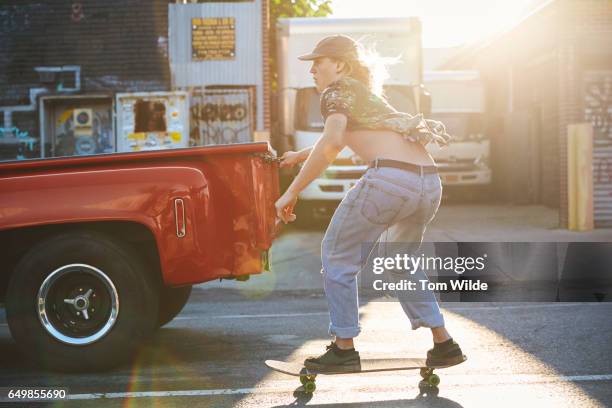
point(117, 43)
point(265, 18)
point(120, 45)
point(585, 44)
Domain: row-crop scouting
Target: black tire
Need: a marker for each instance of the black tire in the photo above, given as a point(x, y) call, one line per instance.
point(60, 270)
point(171, 302)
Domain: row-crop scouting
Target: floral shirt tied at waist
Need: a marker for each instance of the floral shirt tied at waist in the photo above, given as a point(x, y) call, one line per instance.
point(367, 111)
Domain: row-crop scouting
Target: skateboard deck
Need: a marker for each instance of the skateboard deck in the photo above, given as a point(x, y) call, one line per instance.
point(428, 385)
point(297, 369)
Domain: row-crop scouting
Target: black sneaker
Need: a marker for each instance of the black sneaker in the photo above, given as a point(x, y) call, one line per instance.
point(335, 360)
point(445, 354)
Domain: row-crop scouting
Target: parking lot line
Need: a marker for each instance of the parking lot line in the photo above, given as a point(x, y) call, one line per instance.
point(250, 316)
point(450, 308)
point(387, 381)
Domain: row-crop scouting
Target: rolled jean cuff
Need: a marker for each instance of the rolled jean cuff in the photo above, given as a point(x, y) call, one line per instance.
point(431, 321)
point(344, 332)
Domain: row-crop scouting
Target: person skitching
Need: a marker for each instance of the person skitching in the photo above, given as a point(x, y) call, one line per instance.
point(396, 198)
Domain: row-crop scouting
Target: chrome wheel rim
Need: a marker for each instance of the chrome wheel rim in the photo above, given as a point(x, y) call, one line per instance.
point(78, 304)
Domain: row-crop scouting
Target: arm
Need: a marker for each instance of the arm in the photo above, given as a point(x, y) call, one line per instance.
point(291, 158)
point(323, 153)
point(304, 153)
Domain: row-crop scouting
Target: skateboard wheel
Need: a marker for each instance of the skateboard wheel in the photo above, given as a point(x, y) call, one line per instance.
point(426, 372)
point(424, 387)
point(310, 387)
point(307, 378)
point(428, 390)
point(433, 380)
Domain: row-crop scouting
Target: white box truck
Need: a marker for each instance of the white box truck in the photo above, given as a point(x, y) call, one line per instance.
point(458, 100)
point(300, 118)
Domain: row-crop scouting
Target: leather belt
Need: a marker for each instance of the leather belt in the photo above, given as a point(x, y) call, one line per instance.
point(415, 168)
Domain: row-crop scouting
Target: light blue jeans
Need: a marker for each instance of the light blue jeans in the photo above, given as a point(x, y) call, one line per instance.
point(398, 203)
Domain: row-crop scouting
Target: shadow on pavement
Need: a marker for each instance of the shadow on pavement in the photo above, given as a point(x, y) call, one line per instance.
point(12, 359)
point(421, 400)
point(568, 338)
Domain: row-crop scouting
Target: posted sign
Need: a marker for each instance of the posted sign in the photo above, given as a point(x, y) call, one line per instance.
point(213, 38)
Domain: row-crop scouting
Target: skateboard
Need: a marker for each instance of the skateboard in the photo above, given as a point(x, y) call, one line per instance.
point(429, 384)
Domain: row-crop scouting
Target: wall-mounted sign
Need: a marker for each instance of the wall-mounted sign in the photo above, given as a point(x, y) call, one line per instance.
point(213, 38)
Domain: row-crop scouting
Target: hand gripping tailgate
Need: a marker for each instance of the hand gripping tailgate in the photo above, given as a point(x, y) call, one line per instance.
point(266, 191)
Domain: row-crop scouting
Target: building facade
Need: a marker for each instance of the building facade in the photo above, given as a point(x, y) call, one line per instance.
point(94, 49)
point(551, 70)
point(90, 77)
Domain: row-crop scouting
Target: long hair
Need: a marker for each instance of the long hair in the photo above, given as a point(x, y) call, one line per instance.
point(369, 68)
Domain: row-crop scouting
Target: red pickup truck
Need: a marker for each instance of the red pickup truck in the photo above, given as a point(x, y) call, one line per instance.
point(99, 251)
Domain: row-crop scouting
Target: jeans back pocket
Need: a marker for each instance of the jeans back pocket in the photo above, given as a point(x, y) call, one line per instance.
point(383, 200)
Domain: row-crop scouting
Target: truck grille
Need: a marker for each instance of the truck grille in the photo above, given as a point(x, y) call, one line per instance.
point(459, 165)
point(332, 189)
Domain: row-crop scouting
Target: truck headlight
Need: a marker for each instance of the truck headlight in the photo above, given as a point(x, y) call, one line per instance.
point(458, 138)
point(475, 137)
point(482, 161)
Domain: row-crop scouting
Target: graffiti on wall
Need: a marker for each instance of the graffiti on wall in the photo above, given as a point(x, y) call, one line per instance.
point(77, 12)
point(14, 132)
point(24, 135)
point(25, 142)
point(221, 117)
point(602, 170)
point(19, 19)
point(598, 106)
point(598, 111)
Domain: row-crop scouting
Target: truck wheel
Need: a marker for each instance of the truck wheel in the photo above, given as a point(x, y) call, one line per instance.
point(80, 302)
point(171, 302)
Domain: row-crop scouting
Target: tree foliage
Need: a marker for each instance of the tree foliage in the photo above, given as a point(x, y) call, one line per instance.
point(289, 8)
point(299, 8)
point(292, 8)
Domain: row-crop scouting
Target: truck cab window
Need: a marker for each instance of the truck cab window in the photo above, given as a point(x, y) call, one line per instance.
point(462, 126)
point(308, 107)
point(308, 110)
point(401, 98)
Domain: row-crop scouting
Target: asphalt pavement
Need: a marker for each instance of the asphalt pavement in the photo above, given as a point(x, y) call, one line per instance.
point(212, 355)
